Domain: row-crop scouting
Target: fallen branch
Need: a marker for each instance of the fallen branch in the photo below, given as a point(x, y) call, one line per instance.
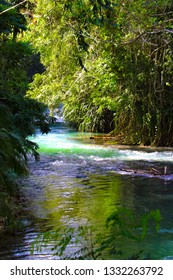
point(153, 171)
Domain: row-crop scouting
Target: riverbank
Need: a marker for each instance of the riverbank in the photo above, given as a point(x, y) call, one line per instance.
point(121, 142)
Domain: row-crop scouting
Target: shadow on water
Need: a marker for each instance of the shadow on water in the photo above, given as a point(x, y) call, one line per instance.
point(77, 185)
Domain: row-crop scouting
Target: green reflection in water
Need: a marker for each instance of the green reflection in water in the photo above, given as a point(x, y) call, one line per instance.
point(75, 200)
point(71, 202)
point(80, 207)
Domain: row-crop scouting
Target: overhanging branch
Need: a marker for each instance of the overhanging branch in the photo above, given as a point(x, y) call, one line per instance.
point(13, 7)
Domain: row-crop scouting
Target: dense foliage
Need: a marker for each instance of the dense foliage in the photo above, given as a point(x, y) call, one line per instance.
point(110, 63)
point(19, 115)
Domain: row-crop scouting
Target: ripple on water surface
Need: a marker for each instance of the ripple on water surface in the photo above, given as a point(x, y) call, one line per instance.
point(77, 183)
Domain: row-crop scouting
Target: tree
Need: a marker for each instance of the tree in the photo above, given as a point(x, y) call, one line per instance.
point(19, 115)
point(110, 63)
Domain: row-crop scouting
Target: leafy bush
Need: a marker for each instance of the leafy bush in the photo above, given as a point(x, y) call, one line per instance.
point(19, 115)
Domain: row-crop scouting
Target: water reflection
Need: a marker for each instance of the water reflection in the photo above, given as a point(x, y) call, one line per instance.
point(80, 184)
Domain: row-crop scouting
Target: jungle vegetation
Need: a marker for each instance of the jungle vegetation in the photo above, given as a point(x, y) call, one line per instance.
point(19, 115)
point(110, 63)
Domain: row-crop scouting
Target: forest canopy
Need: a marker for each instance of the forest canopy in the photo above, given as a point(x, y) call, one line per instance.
point(110, 63)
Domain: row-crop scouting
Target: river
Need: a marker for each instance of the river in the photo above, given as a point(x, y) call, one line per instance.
point(77, 184)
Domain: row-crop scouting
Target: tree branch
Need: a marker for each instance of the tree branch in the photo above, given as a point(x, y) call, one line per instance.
point(13, 7)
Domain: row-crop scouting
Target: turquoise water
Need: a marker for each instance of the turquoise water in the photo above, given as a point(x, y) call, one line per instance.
point(79, 182)
point(75, 143)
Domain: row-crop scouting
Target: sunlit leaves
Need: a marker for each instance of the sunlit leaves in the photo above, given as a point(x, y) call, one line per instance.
point(109, 62)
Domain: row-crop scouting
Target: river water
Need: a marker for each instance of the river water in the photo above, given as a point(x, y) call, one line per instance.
point(77, 184)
